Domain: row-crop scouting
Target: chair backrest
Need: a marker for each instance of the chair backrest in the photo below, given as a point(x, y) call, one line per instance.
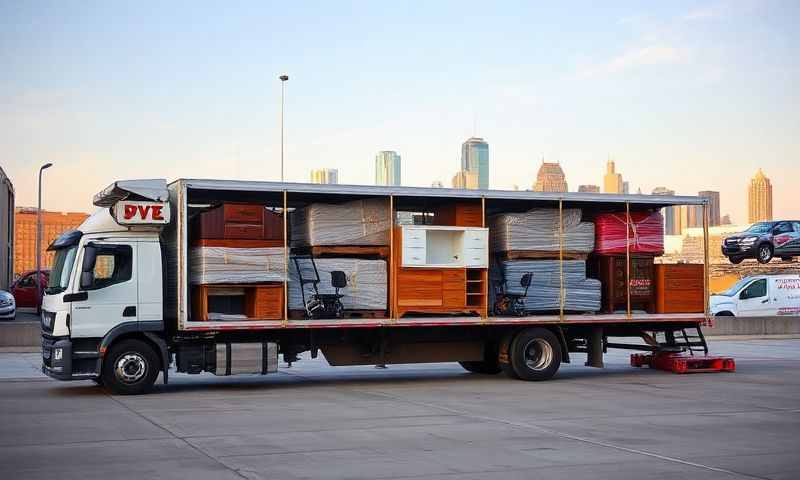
point(338, 279)
point(525, 281)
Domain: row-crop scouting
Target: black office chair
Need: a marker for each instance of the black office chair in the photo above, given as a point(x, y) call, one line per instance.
point(511, 303)
point(328, 305)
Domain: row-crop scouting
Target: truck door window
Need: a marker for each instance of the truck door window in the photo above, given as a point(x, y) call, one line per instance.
point(755, 290)
point(113, 265)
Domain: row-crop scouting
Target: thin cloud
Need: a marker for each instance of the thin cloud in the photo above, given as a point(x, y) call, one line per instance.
point(704, 13)
point(636, 58)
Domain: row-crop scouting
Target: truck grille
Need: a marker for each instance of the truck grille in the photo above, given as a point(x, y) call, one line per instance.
point(48, 321)
point(47, 351)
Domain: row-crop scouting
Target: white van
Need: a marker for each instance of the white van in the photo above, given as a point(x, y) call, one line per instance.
point(759, 296)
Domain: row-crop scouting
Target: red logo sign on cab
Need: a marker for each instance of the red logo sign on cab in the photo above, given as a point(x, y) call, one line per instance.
point(141, 213)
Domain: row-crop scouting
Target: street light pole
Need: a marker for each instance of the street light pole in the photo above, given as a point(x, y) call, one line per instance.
point(39, 239)
point(283, 78)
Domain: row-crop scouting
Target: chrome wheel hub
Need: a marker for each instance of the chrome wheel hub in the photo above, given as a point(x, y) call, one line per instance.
point(538, 354)
point(130, 368)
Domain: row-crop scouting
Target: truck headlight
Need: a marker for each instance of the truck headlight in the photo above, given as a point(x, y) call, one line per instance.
point(58, 353)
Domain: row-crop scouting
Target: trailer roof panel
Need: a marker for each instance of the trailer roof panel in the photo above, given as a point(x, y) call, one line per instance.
point(652, 201)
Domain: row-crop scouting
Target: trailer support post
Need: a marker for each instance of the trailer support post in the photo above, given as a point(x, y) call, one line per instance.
point(594, 348)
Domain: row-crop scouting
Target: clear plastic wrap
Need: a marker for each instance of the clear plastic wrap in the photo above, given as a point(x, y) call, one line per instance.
point(360, 222)
point(537, 230)
point(366, 283)
point(213, 265)
point(645, 233)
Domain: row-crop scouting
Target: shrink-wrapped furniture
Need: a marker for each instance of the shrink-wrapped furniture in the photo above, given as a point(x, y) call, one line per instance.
point(581, 294)
point(216, 265)
point(645, 233)
point(366, 283)
point(537, 231)
point(360, 222)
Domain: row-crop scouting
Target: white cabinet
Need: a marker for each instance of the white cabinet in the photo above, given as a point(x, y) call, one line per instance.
point(444, 246)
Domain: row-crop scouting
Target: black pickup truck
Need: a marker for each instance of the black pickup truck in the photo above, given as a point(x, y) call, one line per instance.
point(764, 240)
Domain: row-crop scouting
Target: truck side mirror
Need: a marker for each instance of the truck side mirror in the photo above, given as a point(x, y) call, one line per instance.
point(87, 267)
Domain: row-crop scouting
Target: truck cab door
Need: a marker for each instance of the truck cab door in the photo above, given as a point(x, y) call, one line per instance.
point(754, 300)
point(111, 292)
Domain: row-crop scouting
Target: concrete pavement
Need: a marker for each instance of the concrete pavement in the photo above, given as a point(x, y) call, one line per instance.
point(417, 421)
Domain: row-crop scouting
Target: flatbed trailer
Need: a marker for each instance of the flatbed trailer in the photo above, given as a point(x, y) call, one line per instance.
point(126, 342)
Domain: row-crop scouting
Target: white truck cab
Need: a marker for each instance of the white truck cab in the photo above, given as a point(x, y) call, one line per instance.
point(761, 295)
point(107, 283)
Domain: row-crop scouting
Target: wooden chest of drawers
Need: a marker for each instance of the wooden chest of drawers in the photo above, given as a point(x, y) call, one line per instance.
point(611, 271)
point(255, 302)
point(441, 290)
point(679, 288)
point(239, 221)
point(459, 214)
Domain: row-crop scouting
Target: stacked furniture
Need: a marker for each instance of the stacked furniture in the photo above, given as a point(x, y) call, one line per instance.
point(530, 242)
point(640, 236)
point(679, 288)
point(442, 268)
point(236, 263)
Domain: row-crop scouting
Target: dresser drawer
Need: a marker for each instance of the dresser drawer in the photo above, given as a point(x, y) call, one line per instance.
point(413, 255)
point(243, 213)
point(413, 238)
point(454, 276)
point(476, 239)
point(476, 257)
point(244, 231)
point(454, 298)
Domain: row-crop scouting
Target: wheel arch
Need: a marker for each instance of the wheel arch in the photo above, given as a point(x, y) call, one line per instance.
point(136, 331)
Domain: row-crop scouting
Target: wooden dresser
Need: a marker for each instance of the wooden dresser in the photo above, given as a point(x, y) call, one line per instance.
point(239, 222)
point(679, 288)
point(611, 271)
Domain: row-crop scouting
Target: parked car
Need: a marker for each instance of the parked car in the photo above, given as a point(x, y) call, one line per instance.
point(8, 307)
point(24, 289)
point(764, 240)
point(761, 295)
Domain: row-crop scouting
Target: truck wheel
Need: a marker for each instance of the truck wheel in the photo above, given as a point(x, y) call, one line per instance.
point(736, 260)
point(764, 253)
point(130, 368)
point(724, 313)
point(534, 354)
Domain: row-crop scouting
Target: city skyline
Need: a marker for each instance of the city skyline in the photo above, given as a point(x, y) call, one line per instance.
point(691, 96)
point(388, 168)
point(329, 176)
point(550, 178)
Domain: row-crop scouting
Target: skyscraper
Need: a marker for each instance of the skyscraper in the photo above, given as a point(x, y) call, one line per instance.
point(626, 187)
point(759, 198)
point(465, 179)
point(325, 175)
point(612, 181)
point(387, 168)
point(713, 206)
point(550, 178)
point(589, 188)
point(672, 215)
point(475, 158)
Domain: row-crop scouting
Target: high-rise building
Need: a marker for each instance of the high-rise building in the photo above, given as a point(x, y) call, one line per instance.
point(475, 158)
point(466, 179)
point(325, 175)
point(6, 230)
point(693, 215)
point(612, 181)
point(713, 206)
point(626, 187)
point(550, 178)
point(759, 198)
point(589, 188)
point(726, 219)
point(387, 168)
point(53, 224)
point(672, 215)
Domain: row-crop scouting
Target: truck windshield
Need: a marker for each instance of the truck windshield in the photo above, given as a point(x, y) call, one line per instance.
point(735, 288)
point(62, 268)
point(760, 227)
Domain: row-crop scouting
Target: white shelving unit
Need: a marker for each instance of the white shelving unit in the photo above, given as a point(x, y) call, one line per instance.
point(435, 246)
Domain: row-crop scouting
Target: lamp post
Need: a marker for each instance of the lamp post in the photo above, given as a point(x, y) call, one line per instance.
point(284, 79)
point(39, 240)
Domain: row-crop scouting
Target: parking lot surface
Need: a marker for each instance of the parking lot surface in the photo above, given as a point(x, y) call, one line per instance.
point(414, 421)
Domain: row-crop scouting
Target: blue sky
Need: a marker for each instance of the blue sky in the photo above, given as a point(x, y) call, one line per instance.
point(687, 95)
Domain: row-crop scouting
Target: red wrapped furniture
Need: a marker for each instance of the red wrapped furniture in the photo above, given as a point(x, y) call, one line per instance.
point(645, 233)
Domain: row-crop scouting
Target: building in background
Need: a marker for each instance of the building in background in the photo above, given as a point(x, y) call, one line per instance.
point(6, 231)
point(589, 188)
point(437, 184)
point(53, 224)
point(759, 198)
point(550, 178)
point(694, 216)
point(726, 219)
point(387, 168)
point(325, 175)
point(626, 187)
point(672, 215)
point(475, 159)
point(713, 207)
point(612, 181)
point(466, 179)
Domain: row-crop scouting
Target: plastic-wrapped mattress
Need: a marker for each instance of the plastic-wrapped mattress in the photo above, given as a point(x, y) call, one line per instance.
point(209, 265)
point(582, 294)
point(538, 230)
point(360, 222)
point(366, 283)
point(645, 233)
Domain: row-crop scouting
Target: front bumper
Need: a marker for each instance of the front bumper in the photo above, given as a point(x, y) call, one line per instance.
point(739, 250)
point(9, 311)
point(57, 360)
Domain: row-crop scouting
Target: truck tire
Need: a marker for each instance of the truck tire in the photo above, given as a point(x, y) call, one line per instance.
point(130, 368)
point(764, 253)
point(534, 355)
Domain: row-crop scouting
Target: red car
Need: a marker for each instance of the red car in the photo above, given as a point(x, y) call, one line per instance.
point(24, 289)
